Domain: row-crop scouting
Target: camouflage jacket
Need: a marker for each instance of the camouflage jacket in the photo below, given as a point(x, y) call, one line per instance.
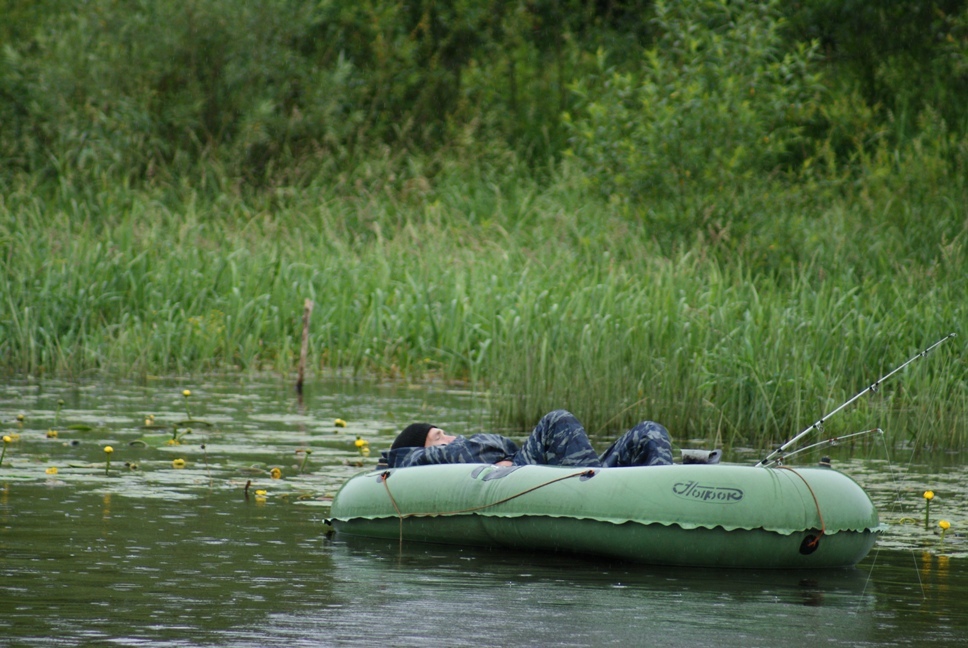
point(477, 448)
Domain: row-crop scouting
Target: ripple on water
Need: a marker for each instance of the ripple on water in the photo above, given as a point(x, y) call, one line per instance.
point(158, 555)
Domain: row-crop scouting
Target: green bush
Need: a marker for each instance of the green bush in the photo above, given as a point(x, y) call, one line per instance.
point(899, 56)
point(134, 90)
point(717, 99)
point(659, 98)
point(275, 93)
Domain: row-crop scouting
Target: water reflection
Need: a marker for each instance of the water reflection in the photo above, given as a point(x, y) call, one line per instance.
point(466, 597)
point(180, 557)
point(86, 568)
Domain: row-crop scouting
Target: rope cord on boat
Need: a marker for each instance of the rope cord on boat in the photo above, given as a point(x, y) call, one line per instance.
point(818, 425)
point(811, 543)
point(401, 515)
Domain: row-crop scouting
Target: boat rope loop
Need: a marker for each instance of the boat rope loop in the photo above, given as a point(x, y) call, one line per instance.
point(384, 478)
point(811, 543)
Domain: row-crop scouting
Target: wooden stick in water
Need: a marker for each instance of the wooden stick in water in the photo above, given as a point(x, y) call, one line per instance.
point(307, 312)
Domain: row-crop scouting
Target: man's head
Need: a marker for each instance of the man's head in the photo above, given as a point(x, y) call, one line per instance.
point(421, 435)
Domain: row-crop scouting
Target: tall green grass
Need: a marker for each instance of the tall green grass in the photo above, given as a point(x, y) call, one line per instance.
point(737, 320)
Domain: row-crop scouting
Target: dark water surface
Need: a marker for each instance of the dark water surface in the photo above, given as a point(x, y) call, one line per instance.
point(153, 555)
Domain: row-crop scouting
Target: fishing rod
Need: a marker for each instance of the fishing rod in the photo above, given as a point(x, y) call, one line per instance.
point(832, 441)
point(818, 425)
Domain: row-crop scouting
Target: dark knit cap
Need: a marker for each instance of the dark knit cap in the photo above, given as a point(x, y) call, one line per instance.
point(413, 436)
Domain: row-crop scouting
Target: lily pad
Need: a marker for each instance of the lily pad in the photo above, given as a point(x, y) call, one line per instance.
point(152, 441)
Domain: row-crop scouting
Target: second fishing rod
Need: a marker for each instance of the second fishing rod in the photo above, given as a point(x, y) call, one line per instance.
point(777, 455)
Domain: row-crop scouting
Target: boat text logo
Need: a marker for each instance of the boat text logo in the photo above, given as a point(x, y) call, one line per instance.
point(705, 493)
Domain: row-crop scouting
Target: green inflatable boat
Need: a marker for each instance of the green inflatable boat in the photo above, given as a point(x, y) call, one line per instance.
point(693, 515)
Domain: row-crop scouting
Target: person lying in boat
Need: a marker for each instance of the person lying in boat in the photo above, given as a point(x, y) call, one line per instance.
point(557, 440)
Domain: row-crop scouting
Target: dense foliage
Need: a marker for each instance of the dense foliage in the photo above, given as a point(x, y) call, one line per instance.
point(279, 92)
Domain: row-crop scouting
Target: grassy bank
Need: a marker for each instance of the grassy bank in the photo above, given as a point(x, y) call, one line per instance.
point(740, 317)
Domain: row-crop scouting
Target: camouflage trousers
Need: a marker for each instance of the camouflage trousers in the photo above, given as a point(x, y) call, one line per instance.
point(560, 440)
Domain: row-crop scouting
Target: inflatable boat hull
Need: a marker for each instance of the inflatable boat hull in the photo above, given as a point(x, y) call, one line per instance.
point(692, 515)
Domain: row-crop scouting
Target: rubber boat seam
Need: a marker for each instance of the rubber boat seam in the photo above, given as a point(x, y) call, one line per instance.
point(615, 521)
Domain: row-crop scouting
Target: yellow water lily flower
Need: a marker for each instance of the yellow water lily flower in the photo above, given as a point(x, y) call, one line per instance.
point(260, 493)
point(51, 434)
point(178, 463)
point(51, 471)
point(945, 525)
point(275, 473)
point(7, 438)
point(107, 459)
point(339, 423)
point(928, 495)
point(187, 393)
point(359, 443)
